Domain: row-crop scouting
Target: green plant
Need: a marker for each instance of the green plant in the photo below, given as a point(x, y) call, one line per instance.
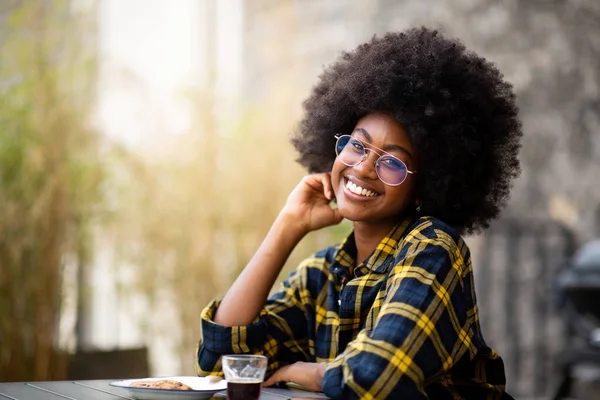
point(50, 178)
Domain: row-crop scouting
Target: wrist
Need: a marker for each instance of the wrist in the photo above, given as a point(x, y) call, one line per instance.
point(321, 368)
point(291, 223)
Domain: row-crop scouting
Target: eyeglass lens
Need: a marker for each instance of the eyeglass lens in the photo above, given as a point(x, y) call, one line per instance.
point(352, 151)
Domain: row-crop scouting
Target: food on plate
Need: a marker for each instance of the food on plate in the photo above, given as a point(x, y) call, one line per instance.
point(161, 384)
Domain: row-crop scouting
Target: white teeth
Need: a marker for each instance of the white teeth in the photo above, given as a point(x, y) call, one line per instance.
point(359, 190)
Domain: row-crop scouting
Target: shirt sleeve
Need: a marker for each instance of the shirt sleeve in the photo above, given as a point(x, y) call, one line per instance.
point(279, 332)
point(424, 326)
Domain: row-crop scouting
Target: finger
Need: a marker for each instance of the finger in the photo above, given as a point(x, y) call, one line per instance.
point(277, 377)
point(321, 183)
point(271, 381)
point(315, 183)
point(327, 186)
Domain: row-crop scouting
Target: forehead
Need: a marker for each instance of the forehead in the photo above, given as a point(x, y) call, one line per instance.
point(383, 130)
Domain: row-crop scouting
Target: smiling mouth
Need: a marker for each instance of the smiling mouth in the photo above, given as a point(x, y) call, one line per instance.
point(360, 191)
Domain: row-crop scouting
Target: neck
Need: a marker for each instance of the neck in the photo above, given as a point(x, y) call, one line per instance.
point(368, 235)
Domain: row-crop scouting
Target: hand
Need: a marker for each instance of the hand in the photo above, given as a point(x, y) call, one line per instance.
point(309, 375)
point(308, 204)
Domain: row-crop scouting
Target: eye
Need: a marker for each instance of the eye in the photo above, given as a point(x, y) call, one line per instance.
point(357, 145)
point(391, 163)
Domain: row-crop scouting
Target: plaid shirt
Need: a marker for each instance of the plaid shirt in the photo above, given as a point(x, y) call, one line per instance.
point(403, 324)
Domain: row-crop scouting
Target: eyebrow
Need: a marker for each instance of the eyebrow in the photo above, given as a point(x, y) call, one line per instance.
point(387, 147)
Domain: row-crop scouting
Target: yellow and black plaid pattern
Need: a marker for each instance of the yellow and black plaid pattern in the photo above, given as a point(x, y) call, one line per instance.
point(402, 324)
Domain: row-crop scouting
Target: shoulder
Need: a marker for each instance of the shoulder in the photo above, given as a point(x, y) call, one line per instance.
point(429, 237)
point(433, 229)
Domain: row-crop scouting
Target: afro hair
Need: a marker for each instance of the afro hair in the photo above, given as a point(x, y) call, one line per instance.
point(459, 112)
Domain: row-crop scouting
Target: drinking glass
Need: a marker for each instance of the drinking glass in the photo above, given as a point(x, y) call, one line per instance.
point(244, 375)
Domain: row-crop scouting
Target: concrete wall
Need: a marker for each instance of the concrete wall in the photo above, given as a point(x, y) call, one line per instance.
point(549, 49)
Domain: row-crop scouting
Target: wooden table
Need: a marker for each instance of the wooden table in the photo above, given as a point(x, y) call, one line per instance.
point(101, 390)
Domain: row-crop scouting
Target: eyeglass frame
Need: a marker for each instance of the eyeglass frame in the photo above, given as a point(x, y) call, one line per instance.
point(368, 146)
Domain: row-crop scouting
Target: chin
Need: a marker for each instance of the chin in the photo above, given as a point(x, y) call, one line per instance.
point(351, 217)
point(357, 216)
point(352, 212)
point(370, 217)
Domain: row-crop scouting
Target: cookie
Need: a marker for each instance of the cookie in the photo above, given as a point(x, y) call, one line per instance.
point(161, 384)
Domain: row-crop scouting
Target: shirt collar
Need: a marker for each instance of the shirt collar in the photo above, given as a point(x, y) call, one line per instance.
point(379, 260)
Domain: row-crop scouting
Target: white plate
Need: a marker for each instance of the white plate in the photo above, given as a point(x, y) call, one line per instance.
point(202, 388)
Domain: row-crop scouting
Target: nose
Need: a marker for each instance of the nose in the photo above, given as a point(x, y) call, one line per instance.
point(366, 166)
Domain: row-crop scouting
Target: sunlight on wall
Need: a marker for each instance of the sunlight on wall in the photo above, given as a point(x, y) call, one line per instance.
point(153, 54)
point(149, 55)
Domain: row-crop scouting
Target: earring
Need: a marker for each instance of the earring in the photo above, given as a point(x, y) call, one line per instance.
point(418, 208)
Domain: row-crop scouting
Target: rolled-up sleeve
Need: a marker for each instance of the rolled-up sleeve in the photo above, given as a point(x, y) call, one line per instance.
point(424, 327)
point(279, 331)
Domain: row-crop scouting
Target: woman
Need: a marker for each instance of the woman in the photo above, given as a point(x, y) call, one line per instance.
point(416, 138)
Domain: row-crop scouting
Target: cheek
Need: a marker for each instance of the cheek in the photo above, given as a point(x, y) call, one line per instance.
point(400, 196)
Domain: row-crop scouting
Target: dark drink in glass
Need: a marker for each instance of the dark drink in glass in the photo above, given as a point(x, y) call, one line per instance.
point(244, 374)
point(243, 389)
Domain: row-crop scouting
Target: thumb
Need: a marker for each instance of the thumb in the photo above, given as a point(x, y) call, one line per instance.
point(337, 217)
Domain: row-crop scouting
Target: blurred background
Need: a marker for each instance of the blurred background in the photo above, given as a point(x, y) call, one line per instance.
point(144, 153)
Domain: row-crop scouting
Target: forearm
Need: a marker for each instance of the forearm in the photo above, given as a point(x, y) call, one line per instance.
point(244, 300)
point(360, 372)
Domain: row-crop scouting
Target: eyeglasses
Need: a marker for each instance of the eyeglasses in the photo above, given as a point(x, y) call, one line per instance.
point(352, 151)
